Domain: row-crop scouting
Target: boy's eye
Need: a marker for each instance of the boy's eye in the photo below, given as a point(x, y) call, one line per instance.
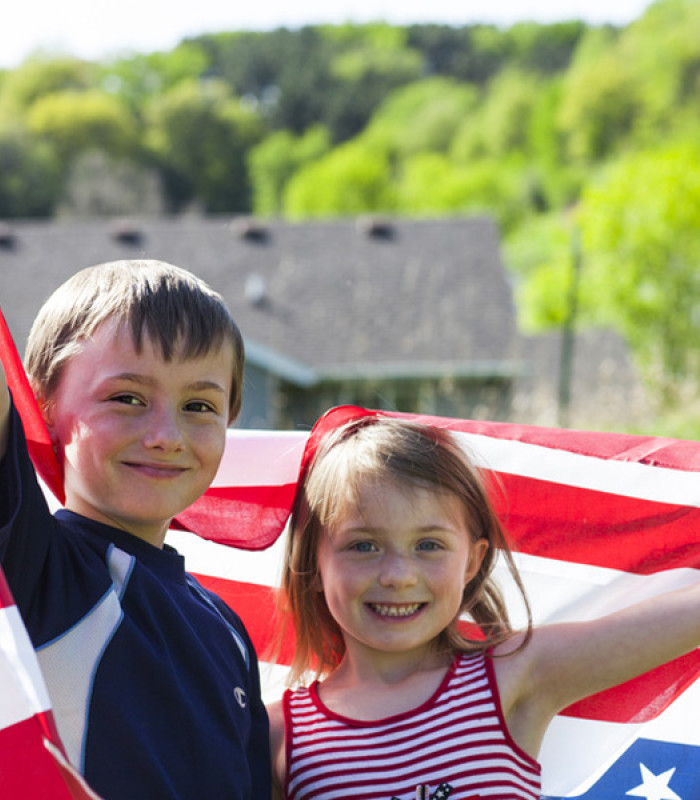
point(199, 407)
point(127, 399)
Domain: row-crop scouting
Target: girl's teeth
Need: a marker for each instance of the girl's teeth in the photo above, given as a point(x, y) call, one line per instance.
point(396, 611)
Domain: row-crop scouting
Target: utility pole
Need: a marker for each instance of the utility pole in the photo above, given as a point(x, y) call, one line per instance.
point(568, 333)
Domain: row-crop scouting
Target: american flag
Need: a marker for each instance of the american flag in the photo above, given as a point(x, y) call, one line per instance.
point(32, 762)
point(598, 521)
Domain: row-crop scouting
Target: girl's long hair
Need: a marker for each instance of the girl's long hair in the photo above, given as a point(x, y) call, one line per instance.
point(406, 453)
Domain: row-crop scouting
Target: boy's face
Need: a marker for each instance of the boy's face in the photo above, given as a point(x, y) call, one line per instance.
point(139, 438)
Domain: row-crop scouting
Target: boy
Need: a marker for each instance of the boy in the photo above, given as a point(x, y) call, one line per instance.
point(137, 367)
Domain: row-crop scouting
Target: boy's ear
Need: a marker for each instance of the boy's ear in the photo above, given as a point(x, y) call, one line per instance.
point(46, 410)
point(478, 552)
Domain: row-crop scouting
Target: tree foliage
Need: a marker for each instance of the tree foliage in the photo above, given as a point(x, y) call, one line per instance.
point(30, 175)
point(421, 117)
point(200, 134)
point(74, 121)
point(39, 77)
point(276, 159)
point(640, 226)
point(349, 180)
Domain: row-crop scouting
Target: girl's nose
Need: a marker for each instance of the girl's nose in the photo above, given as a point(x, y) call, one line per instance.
point(397, 570)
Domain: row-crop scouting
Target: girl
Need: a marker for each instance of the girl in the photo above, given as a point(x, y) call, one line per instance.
point(392, 540)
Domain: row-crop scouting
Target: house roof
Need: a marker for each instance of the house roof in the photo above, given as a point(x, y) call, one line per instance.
point(315, 300)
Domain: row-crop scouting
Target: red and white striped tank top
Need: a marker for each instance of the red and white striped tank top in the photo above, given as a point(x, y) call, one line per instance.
point(456, 745)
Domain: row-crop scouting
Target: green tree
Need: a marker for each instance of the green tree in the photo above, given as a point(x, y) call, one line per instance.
point(421, 117)
point(287, 72)
point(471, 54)
point(664, 48)
point(39, 76)
point(600, 100)
point(546, 49)
point(503, 120)
point(430, 183)
point(539, 253)
point(30, 175)
point(368, 63)
point(274, 161)
point(200, 135)
point(137, 79)
point(349, 180)
point(641, 228)
point(77, 121)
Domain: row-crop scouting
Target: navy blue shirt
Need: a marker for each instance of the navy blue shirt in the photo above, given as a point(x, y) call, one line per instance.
point(153, 680)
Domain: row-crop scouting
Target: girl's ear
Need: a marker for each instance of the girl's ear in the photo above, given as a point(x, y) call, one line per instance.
point(479, 549)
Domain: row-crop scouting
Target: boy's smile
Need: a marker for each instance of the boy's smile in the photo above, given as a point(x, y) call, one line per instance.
point(139, 438)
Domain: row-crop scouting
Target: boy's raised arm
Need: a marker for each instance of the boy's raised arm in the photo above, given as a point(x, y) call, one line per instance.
point(4, 411)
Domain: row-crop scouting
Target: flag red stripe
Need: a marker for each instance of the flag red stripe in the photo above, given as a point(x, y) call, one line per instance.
point(596, 528)
point(28, 771)
point(643, 698)
point(38, 440)
point(6, 599)
point(251, 517)
point(655, 451)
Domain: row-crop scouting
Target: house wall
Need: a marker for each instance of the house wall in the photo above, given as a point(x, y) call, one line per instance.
point(259, 392)
point(448, 397)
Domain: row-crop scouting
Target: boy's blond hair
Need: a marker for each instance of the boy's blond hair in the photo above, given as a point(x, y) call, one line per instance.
point(168, 304)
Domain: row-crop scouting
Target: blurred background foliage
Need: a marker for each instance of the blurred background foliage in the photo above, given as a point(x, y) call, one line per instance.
point(581, 141)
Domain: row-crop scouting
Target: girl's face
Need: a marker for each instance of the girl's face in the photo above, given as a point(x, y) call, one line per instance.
point(393, 568)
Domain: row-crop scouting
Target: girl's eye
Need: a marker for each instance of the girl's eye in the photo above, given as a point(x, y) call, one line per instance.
point(429, 545)
point(363, 547)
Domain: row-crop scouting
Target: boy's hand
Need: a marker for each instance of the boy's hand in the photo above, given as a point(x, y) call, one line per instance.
point(4, 411)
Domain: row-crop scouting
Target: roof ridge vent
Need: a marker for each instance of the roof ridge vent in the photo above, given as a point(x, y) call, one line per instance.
point(256, 289)
point(376, 227)
point(251, 230)
point(128, 233)
point(8, 237)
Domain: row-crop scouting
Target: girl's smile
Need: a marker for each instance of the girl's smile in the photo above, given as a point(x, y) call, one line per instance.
point(395, 610)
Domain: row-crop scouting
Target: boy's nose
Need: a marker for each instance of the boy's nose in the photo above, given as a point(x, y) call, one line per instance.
point(397, 570)
point(163, 431)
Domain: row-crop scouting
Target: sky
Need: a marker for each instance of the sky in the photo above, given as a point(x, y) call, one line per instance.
point(99, 30)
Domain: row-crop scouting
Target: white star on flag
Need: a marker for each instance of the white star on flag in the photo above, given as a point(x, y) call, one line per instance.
point(655, 787)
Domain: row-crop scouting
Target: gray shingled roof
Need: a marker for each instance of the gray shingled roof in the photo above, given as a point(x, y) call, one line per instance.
point(432, 297)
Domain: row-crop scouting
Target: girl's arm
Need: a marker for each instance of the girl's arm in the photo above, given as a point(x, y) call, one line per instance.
point(275, 712)
point(566, 662)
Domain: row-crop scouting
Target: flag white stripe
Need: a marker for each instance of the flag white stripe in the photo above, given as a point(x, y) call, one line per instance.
point(264, 458)
point(260, 458)
point(628, 478)
point(23, 690)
